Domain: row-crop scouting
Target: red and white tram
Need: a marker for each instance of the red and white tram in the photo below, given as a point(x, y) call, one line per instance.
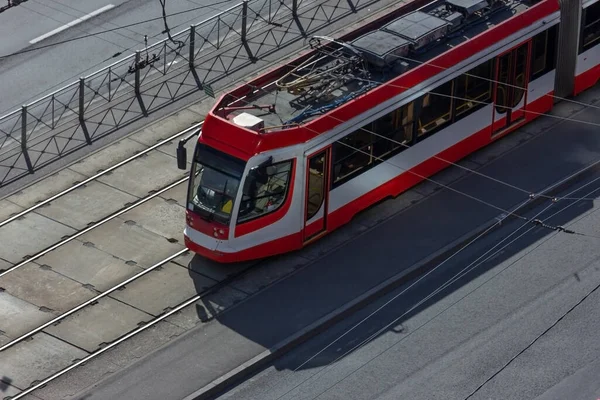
point(287, 158)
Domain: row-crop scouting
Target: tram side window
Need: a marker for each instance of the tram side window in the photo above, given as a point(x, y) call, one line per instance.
point(590, 36)
point(473, 89)
point(265, 190)
point(394, 132)
point(436, 110)
point(543, 52)
point(352, 155)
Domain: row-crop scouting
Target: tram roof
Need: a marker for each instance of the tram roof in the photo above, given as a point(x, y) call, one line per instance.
point(368, 66)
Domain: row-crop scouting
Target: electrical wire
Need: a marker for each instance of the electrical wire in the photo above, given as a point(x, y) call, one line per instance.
point(447, 284)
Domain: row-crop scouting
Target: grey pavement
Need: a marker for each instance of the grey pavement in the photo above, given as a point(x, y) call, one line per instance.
point(368, 257)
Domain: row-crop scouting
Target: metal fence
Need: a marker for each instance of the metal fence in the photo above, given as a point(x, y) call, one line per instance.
point(197, 58)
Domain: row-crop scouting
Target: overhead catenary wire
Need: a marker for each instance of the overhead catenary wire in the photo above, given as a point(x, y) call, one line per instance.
point(473, 265)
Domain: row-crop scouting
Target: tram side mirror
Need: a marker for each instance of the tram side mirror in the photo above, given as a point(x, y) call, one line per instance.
point(181, 157)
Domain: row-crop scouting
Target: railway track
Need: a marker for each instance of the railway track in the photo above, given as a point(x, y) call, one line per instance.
point(91, 290)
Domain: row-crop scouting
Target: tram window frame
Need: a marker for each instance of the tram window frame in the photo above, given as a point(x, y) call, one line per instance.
point(592, 11)
point(547, 58)
point(351, 149)
point(400, 136)
point(481, 99)
point(241, 219)
point(433, 105)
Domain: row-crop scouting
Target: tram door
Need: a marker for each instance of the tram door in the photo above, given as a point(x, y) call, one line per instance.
point(317, 194)
point(512, 78)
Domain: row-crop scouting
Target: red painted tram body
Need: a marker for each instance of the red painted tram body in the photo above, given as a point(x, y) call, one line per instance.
point(296, 153)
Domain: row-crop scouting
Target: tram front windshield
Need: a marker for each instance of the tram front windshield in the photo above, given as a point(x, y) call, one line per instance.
point(216, 179)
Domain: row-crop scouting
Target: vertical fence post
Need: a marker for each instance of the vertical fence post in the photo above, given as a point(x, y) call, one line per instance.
point(192, 56)
point(295, 16)
point(24, 139)
point(245, 30)
point(137, 83)
point(88, 139)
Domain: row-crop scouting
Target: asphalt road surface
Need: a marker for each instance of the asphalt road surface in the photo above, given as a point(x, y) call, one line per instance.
point(523, 325)
point(27, 77)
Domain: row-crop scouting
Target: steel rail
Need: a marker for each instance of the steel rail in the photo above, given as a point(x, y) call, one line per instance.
point(90, 301)
point(149, 324)
point(98, 175)
point(94, 226)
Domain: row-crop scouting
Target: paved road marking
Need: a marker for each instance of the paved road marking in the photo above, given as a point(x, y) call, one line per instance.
point(73, 23)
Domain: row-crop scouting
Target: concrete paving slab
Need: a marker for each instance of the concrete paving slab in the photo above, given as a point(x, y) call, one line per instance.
point(165, 218)
point(99, 324)
point(7, 390)
point(19, 317)
point(445, 177)
point(269, 271)
point(36, 359)
point(210, 268)
point(207, 308)
point(4, 265)
point(145, 174)
point(165, 128)
point(89, 265)
point(8, 209)
point(29, 235)
point(177, 193)
point(46, 188)
point(333, 240)
point(3, 340)
point(45, 288)
point(86, 205)
point(126, 353)
point(163, 288)
point(386, 209)
point(130, 242)
point(106, 158)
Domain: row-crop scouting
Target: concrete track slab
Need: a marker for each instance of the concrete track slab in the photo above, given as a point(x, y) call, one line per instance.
point(386, 209)
point(332, 240)
point(102, 323)
point(46, 188)
point(165, 218)
point(45, 288)
point(8, 209)
point(130, 242)
point(162, 288)
point(206, 308)
point(29, 235)
point(129, 351)
point(36, 359)
point(88, 265)
point(210, 268)
point(3, 341)
point(18, 316)
point(155, 133)
point(86, 204)
point(177, 193)
point(4, 265)
point(145, 174)
point(269, 271)
point(7, 391)
point(106, 158)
